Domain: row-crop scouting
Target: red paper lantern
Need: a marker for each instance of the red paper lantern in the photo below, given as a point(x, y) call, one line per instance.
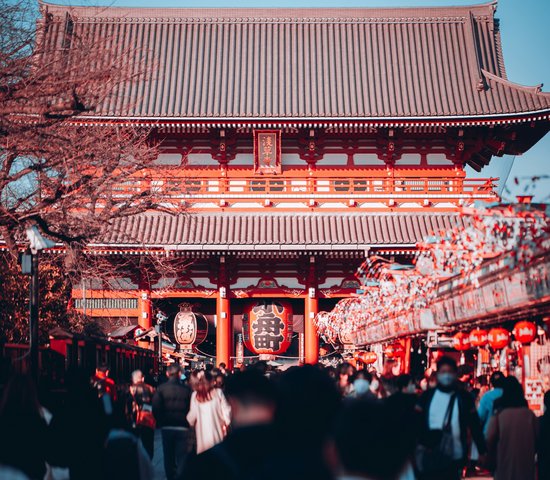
point(498, 338)
point(461, 341)
point(267, 327)
point(393, 351)
point(525, 332)
point(367, 358)
point(478, 337)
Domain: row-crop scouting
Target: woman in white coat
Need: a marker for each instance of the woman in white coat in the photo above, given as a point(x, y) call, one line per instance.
point(209, 413)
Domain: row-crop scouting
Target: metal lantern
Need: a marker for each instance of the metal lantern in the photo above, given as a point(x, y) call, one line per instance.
point(267, 327)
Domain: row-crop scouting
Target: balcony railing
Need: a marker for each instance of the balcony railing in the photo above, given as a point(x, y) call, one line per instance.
point(192, 190)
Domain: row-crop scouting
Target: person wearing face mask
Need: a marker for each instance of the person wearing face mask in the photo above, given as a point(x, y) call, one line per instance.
point(449, 418)
point(362, 383)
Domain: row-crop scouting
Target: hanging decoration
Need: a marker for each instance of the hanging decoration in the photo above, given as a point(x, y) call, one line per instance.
point(392, 294)
point(478, 337)
point(461, 342)
point(267, 327)
point(189, 328)
point(368, 358)
point(498, 338)
point(525, 332)
point(395, 350)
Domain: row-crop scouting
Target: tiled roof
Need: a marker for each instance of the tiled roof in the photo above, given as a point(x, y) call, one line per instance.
point(306, 64)
point(255, 231)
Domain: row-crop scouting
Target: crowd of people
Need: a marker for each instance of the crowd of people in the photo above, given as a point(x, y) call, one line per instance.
point(308, 422)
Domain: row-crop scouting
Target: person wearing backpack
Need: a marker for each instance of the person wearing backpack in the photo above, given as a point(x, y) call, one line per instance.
point(449, 417)
point(139, 410)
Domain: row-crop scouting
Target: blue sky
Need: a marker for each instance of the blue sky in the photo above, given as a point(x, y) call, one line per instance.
point(525, 29)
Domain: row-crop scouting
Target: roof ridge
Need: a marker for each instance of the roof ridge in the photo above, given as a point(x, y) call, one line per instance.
point(271, 13)
point(534, 89)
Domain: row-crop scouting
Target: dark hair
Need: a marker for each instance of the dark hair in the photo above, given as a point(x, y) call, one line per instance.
point(173, 370)
point(367, 438)
point(390, 383)
point(250, 388)
point(512, 394)
point(364, 373)
point(20, 397)
point(447, 361)
point(497, 379)
point(308, 402)
point(403, 381)
point(547, 400)
point(103, 368)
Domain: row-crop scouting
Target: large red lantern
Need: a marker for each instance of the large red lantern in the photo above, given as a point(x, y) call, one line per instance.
point(498, 338)
point(367, 358)
point(189, 328)
point(525, 332)
point(461, 341)
point(267, 327)
point(394, 350)
point(478, 337)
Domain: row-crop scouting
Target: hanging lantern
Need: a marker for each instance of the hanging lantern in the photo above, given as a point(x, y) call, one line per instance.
point(525, 332)
point(478, 337)
point(394, 350)
point(498, 338)
point(368, 358)
point(267, 327)
point(461, 341)
point(189, 328)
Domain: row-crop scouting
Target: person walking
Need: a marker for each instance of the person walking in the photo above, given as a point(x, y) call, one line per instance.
point(139, 411)
point(24, 438)
point(170, 408)
point(544, 440)
point(512, 435)
point(449, 417)
point(209, 412)
point(487, 402)
point(103, 384)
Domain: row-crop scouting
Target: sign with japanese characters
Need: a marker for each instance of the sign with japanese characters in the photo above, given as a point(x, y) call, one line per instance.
point(267, 327)
point(267, 151)
point(189, 329)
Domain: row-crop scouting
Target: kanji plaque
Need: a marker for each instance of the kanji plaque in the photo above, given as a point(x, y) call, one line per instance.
point(267, 327)
point(267, 151)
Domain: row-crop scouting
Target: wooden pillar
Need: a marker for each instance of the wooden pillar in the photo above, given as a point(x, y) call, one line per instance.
point(224, 325)
point(145, 309)
point(406, 367)
point(311, 339)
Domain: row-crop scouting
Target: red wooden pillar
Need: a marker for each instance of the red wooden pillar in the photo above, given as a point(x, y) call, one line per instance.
point(311, 339)
point(406, 367)
point(224, 325)
point(145, 309)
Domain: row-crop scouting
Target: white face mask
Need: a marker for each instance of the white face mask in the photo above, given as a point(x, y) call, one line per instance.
point(374, 385)
point(411, 388)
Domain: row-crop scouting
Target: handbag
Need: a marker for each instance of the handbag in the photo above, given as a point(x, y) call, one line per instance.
point(145, 418)
point(435, 454)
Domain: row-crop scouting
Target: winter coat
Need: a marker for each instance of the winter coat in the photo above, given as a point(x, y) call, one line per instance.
point(171, 404)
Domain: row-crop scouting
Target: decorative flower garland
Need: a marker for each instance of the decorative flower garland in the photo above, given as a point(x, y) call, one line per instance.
point(390, 289)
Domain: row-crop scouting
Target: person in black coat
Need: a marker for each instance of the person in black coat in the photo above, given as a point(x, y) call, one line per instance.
point(247, 452)
point(170, 407)
point(24, 437)
point(433, 406)
point(544, 441)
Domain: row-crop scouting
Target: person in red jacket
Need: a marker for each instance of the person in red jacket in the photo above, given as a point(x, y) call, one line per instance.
point(103, 384)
